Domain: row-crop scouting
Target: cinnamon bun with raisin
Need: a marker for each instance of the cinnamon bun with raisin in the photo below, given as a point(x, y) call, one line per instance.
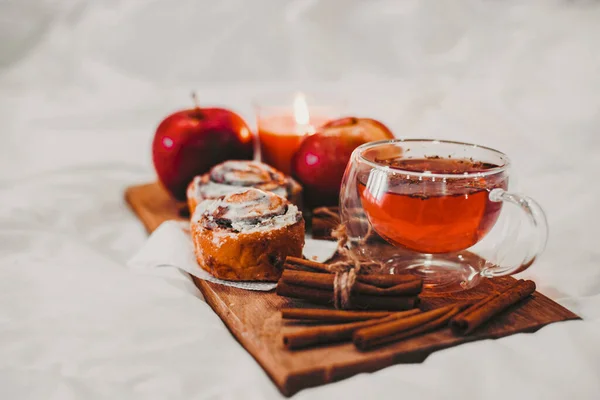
point(235, 175)
point(246, 235)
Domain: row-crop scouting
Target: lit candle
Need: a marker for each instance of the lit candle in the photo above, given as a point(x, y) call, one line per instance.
point(282, 130)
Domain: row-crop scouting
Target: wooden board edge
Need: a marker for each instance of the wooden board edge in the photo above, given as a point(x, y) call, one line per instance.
point(572, 316)
point(237, 330)
point(290, 384)
point(127, 195)
point(312, 378)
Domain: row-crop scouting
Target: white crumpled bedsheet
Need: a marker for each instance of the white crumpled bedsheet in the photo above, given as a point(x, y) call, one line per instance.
point(83, 85)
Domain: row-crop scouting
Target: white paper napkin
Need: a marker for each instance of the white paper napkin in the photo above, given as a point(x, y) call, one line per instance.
point(170, 246)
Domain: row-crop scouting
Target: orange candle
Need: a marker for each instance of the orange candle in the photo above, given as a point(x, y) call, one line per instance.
point(280, 134)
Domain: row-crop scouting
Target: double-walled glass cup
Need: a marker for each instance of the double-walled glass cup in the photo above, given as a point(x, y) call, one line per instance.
point(437, 209)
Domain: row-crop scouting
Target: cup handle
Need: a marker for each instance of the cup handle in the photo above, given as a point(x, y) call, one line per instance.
point(536, 217)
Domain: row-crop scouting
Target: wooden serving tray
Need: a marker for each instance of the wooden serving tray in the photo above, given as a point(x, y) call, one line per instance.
point(253, 318)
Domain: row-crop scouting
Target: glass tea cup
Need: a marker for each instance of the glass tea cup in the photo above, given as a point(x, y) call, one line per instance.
point(440, 205)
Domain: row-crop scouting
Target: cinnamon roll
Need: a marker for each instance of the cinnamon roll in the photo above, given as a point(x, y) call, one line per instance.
point(235, 175)
point(246, 235)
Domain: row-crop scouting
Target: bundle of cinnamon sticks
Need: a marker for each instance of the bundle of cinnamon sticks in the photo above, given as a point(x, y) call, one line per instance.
point(314, 282)
point(371, 329)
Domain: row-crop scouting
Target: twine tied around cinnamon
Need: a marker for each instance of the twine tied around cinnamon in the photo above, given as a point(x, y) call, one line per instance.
point(347, 270)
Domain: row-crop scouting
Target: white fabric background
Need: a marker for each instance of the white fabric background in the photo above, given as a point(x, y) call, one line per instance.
point(83, 85)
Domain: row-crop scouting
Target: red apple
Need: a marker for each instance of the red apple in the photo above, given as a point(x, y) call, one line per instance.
point(371, 130)
point(189, 142)
point(321, 159)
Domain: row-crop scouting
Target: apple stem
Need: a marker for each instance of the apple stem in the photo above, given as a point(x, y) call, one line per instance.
point(195, 99)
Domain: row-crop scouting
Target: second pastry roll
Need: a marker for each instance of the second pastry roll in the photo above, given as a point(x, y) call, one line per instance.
point(235, 175)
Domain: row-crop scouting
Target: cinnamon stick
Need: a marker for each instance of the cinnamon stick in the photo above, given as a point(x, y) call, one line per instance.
point(302, 263)
point(326, 281)
point(359, 301)
point(292, 267)
point(336, 333)
point(482, 311)
point(319, 314)
point(387, 280)
point(380, 280)
point(395, 330)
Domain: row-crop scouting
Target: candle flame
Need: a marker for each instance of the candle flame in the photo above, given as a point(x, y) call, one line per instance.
point(301, 114)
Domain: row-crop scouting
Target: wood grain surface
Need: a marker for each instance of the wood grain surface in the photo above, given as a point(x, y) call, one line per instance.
point(254, 319)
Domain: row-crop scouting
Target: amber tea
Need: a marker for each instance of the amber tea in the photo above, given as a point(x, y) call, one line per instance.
point(437, 202)
point(432, 214)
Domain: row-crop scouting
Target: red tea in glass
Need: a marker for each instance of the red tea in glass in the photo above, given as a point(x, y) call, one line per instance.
point(431, 214)
point(440, 204)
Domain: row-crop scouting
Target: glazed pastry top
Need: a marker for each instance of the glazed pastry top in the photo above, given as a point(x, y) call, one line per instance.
point(245, 211)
